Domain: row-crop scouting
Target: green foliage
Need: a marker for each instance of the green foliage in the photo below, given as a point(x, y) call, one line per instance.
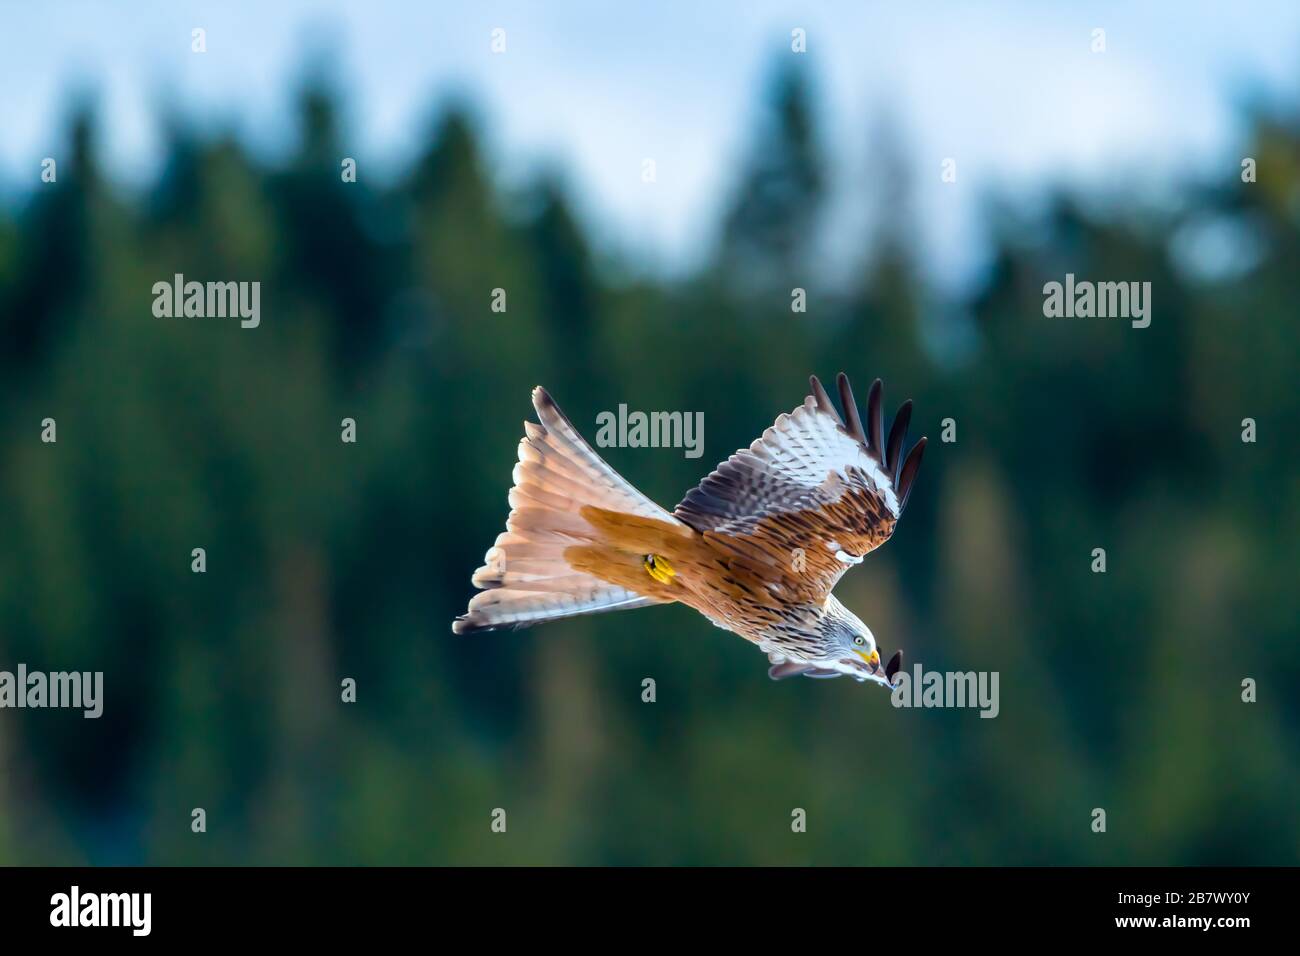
point(329, 560)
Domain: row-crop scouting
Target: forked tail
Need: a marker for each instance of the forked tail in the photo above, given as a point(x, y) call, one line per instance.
point(560, 483)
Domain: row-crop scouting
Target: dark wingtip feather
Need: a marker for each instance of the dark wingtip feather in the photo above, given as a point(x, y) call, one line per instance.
point(853, 422)
point(876, 420)
point(897, 435)
point(893, 666)
point(823, 400)
point(905, 478)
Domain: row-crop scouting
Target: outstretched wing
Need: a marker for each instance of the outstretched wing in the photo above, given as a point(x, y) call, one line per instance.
point(813, 489)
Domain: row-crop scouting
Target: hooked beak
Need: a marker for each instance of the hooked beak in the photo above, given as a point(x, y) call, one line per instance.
point(885, 676)
point(872, 659)
point(872, 671)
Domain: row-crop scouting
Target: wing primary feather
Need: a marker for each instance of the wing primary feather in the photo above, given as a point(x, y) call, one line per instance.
point(854, 423)
point(894, 664)
point(908, 474)
point(876, 420)
point(823, 400)
point(897, 435)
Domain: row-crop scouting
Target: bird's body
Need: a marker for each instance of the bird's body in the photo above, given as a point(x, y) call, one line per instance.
point(745, 582)
point(756, 547)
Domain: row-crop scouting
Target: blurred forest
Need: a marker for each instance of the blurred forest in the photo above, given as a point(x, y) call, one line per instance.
point(328, 560)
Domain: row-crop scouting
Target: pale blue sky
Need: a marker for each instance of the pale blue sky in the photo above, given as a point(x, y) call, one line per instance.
point(1011, 90)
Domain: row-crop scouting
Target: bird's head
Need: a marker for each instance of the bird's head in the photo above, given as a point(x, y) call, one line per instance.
point(850, 647)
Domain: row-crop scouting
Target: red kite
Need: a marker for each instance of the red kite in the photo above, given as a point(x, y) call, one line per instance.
point(756, 547)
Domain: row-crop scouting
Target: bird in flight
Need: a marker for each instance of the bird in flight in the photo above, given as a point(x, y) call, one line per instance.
point(756, 547)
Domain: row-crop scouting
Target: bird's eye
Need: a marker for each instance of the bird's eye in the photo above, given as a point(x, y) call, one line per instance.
point(860, 641)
